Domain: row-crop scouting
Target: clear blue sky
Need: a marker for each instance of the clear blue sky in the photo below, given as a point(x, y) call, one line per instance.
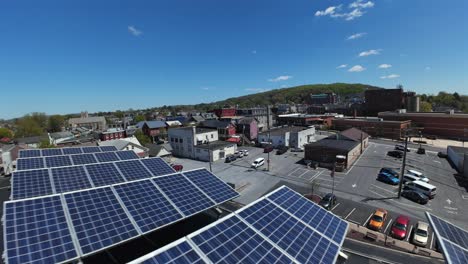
point(63, 57)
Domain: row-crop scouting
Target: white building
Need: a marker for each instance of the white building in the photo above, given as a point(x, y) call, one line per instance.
point(293, 137)
point(199, 143)
point(129, 143)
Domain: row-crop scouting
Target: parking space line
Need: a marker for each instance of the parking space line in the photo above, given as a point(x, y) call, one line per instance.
point(306, 171)
point(346, 217)
point(290, 174)
point(335, 206)
point(383, 189)
point(403, 204)
point(368, 218)
point(409, 233)
point(389, 222)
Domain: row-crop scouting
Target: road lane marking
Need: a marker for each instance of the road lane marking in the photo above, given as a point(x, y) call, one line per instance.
point(409, 233)
point(335, 206)
point(402, 204)
point(436, 161)
point(346, 217)
point(450, 208)
point(291, 173)
point(368, 218)
point(389, 222)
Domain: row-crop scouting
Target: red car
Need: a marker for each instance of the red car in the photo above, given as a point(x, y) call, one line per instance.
point(400, 227)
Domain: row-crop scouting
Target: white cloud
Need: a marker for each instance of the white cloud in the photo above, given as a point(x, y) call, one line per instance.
point(280, 78)
point(361, 4)
point(329, 11)
point(369, 52)
point(357, 68)
point(385, 66)
point(391, 76)
point(356, 36)
point(342, 66)
point(134, 31)
point(354, 14)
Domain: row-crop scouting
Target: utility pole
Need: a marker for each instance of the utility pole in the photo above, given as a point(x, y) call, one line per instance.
point(403, 165)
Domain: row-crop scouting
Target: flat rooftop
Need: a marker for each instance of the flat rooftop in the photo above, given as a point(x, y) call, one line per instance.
point(283, 130)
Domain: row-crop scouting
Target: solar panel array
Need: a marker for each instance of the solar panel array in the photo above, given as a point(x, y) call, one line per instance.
point(282, 227)
point(39, 182)
point(64, 227)
point(29, 153)
point(453, 239)
point(73, 159)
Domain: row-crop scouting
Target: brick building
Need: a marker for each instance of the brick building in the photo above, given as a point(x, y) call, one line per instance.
point(375, 127)
point(449, 125)
point(222, 112)
point(380, 100)
point(304, 120)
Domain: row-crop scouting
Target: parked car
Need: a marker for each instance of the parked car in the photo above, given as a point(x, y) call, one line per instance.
point(418, 174)
point(258, 162)
point(399, 228)
point(281, 150)
point(296, 150)
point(409, 178)
point(390, 171)
point(267, 149)
point(230, 158)
point(427, 189)
point(246, 152)
point(177, 167)
point(388, 178)
point(415, 196)
point(395, 154)
point(441, 154)
point(377, 220)
point(328, 201)
point(421, 234)
point(421, 151)
point(239, 154)
point(402, 148)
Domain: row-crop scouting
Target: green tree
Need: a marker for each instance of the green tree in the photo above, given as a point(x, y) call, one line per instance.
point(425, 106)
point(45, 143)
point(119, 114)
point(5, 132)
point(139, 118)
point(28, 126)
point(55, 123)
point(40, 119)
point(144, 139)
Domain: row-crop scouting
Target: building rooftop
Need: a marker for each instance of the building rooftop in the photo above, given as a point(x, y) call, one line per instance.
point(283, 130)
point(215, 145)
point(354, 134)
point(339, 144)
point(198, 129)
point(366, 119)
point(424, 114)
point(91, 119)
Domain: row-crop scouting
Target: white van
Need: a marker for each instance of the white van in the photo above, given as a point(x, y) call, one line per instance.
point(409, 178)
point(423, 187)
point(258, 162)
point(419, 175)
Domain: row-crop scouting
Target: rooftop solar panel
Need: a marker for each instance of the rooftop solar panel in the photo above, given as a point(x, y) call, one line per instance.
point(30, 184)
point(98, 219)
point(30, 163)
point(104, 174)
point(29, 153)
point(108, 148)
point(83, 159)
point(91, 149)
point(232, 241)
point(57, 161)
point(183, 193)
point(321, 220)
point(70, 179)
point(157, 166)
point(453, 239)
point(133, 169)
point(71, 151)
point(106, 156)
point(147, 205)
point(51, 152)
point(45, 239)
point(127, 155)
point(211, 185)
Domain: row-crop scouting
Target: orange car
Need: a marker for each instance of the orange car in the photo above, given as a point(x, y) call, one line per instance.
point(377, 220)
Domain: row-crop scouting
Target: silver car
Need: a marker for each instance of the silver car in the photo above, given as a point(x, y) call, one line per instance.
point(421, 234)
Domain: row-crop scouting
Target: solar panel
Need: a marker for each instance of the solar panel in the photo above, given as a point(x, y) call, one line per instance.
point(91, 149)
point(104, 174)
point(30, 184)
point(232, 241)
point(51, 152)
point(127, 155)
point(133, 169)
point(453, 239)
point(98, 219)
point(211, 185)
point(321, 220)
point(83, 159)
point(179, 252)
point(147, 205)
point(71, 151)
point(157, 166)
point(184, 194)
point(57, 161)
point(30, 163)
point(29, 153)
point(43, 238)
point(70, 178)
point(108, 148)
point(106, 156)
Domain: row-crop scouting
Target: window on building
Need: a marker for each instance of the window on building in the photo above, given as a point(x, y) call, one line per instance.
point(212, 135)
point(181, 141)
point(176, 140)
point(172, 139)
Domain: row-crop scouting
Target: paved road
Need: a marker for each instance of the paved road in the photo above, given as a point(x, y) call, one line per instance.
point(410, 144)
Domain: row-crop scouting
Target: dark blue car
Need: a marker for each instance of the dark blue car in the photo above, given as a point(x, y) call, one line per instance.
point(390, 171)
point(388, 178)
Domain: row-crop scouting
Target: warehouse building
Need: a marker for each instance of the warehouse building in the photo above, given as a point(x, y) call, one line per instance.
point(375, 127)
